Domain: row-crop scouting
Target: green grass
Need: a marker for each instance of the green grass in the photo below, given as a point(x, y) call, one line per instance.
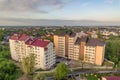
point(106, 63)
point(118, 65)
point(37, 76)
point(39, 70)
point(49, 74)
point(92, 77)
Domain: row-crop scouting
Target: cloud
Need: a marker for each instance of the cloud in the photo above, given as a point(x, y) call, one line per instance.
point(29, 5)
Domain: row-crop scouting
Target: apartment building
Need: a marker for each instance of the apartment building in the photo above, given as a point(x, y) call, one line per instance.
point(64, 44)
point(59, 42)
point(75, 48)
point(23, 45)
point(70, 47)
point(94, 51)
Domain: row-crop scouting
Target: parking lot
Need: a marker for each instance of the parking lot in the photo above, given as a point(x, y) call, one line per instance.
point(72, 63)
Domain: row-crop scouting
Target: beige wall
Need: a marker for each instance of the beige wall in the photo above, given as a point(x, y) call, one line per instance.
point(65, 45)
point(89, 54)
point(56, 43)
point(12, 50)
point(61, 46)
point(94, 54)
point(44, 58)
point(59, 42)
point(99, 56)
point(71, 47)
point(76, 52)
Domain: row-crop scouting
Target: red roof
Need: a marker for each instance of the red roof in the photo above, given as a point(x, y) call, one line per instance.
point(19, 37)
point(113, 78)
point(37, 42)
point(23, 37)
point(31, 41)
point(14, 37)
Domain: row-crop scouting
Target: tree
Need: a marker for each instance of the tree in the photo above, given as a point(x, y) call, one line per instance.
point(92, 77)
point(61, 71)
point(40, 77)
point(5, 54)
point(112, 51)
point(8, 70)
point(1, 37)
point(28, 64)
point(99, 35)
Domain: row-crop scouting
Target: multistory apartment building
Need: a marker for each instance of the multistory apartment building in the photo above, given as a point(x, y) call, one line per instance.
point(64, 44)
point(60, 45)
point(91, 50)
point(75, 48)
point(70, 47)
point(23, 45)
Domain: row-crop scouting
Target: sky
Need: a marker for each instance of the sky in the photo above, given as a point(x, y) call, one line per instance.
point(28, 12)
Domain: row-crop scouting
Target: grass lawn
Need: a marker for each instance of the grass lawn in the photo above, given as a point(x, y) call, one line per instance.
point(118, 65)
point(92, 77)
point(106, 63)
point(39, 70)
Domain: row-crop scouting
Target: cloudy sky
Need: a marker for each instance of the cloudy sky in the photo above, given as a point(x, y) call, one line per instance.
point(28, 12)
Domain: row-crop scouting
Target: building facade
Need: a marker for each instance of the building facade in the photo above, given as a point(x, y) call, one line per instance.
point(94, 51)
point(74, 47)
point(23, 45)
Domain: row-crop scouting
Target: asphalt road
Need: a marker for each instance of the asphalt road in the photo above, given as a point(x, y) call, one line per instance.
point(77, 73)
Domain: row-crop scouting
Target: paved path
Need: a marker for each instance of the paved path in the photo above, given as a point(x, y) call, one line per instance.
point(24, 77)
point(53, 70)
point(86, 72)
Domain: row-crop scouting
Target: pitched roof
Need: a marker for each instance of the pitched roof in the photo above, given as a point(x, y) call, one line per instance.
point(90, 41)
point(78, 40)
point(19, 37)
point(95, 42)
point(113, 78)
point(30, 40)
point(84, 39)
point(62, 34)
point(71, 34)
point(23, 37)
point(37, 42)
point(14, 37)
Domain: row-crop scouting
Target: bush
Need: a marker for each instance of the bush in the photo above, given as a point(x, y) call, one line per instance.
point(8, 70)
point(92, 77)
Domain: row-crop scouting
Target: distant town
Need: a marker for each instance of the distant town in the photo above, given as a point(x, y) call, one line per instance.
point(60, 53)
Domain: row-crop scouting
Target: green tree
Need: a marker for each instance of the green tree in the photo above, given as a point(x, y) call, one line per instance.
point(99, 35)
point(49, 38)
point(40, 77)
point(8, 70)
point(92, 77)
point(28, 64)
point(112, 51)
point(61, 71)
point(1, 37)
point(5, 54)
